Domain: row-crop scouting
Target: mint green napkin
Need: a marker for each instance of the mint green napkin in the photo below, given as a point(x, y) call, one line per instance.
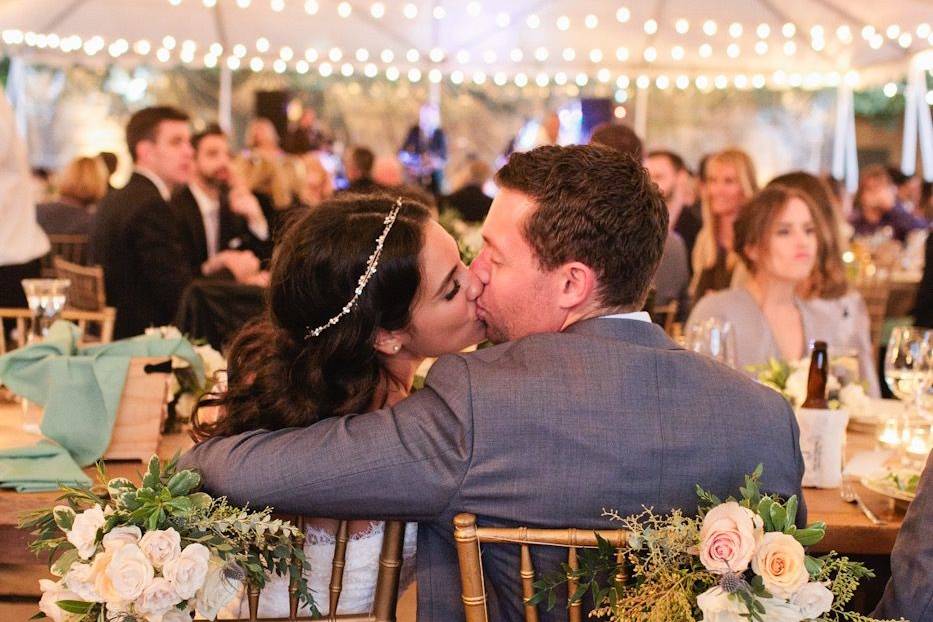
point(80, 388)
point(40, 468)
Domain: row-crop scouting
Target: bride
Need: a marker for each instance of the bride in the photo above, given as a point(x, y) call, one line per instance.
point(362, 290)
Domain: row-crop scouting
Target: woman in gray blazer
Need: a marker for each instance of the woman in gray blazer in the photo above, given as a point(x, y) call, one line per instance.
point(778, 237)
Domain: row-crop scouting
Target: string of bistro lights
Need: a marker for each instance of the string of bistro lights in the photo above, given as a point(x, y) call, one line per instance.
point(460, 67)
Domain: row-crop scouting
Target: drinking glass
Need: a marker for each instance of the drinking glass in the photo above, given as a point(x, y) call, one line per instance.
point(908, 371)
point(46, 299)
point(714, 338)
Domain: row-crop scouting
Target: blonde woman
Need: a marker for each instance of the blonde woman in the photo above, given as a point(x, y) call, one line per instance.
point(317, 184)
point(729, 182)
point(80, 186)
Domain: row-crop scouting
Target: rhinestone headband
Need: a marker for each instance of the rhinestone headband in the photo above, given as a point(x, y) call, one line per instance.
point(371, 265)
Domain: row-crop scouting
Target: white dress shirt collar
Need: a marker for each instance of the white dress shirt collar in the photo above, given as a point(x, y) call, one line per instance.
point(210, 215)
point(640, 316)
point(160, 185)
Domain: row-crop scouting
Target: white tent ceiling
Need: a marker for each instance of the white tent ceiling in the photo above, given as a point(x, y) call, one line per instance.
point(747, 42)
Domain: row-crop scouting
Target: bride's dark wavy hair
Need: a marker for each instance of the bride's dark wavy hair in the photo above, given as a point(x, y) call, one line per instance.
point(276, 378)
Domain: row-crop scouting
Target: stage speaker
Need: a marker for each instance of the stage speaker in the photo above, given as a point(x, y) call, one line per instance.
point(273, 105)
point(595, 110)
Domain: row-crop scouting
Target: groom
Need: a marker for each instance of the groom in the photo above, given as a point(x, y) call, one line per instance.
point(584, 405)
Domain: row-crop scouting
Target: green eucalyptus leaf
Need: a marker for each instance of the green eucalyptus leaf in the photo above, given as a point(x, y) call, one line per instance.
point(764, 511)
point(791, 509)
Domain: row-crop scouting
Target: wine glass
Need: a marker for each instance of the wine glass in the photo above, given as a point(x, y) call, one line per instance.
point(46, 299)
point(908, 369)
point(715, 338)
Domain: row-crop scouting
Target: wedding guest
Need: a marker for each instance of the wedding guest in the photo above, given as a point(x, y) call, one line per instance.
point(620, 137)
point(80, 186)
point(358, 166)
point(424, 151)
point(41, 180)
point(548, 130)
point(220, 220)
point(135, 237)
point(469, 200)
point(877, 206)
point(281, 376)
point(306, 136)
point(318, 185)
point(668, 171)
point(909, 593)
point(262, 139)
point(728, 182)
point(593, 390)
point(267, 179)
point(110, 161)
point(672, 277)
point(827, 291)
point(22, 241)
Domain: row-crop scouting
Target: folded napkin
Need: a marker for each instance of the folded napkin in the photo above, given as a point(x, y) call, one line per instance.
point(40, 468)
point(80, 388)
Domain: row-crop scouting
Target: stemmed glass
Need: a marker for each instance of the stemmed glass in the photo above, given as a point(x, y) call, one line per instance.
point(714, 338)
point(908, 371)
point(46, 299)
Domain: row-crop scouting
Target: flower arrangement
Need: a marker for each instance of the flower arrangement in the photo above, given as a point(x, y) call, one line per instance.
point(740, 559)
point(790, 380)
point(186, 388)
point(158, 552)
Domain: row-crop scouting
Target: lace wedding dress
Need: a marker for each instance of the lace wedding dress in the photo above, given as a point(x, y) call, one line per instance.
point(359, 578)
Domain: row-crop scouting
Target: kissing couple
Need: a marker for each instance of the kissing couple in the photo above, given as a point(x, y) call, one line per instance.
point(583, 403)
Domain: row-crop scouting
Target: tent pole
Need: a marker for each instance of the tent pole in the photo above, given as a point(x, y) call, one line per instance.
point(225, 99)
point(641, 113)
point(845, 155)
point(917, 123)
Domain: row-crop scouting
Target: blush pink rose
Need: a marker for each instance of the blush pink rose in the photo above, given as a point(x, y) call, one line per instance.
point(729, 536)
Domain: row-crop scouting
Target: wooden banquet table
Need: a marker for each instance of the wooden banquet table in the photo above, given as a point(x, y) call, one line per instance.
point(848, 531)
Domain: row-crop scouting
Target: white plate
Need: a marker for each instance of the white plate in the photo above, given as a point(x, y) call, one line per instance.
point(883, 487)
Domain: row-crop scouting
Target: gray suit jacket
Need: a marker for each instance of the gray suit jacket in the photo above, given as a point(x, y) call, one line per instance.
point(909, 593)
point(546, 431)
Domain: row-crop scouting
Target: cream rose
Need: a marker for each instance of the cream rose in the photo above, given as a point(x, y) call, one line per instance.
point(217, 591)
point(129, 573)
point(188, 571)
point(813, 599)
point(118, 536)
point(780, 561)
point(177, 615)
point(717, 606)
point(728, 537)
point(52, 592)
point(83, 534)
point(161, 546)
point(80, 579)
point(157, 599)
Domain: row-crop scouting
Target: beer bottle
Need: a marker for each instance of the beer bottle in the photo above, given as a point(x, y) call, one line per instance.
point(817, 378)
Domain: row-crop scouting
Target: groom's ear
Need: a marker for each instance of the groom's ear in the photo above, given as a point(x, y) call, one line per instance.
point(577, 283)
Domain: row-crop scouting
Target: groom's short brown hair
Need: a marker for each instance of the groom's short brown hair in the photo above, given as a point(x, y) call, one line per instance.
point(596, 206)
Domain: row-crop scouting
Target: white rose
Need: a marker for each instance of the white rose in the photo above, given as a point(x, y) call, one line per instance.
point(718, 606)
point(796, 385)
point(813, 599)
point(216, 592)
point(188, 571)
point(157, 599)
point(780, 562)
point(52, 592)
point(161, 546)
point(779, 610)
point(213, 360)
point(129, 573)
point(80, 580)
point(83, 534)
point(177, 615)
point(118, 536)
point(853, 397)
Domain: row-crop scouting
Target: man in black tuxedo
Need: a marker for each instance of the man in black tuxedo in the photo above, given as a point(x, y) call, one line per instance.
point(216, 216)
point(135, 236)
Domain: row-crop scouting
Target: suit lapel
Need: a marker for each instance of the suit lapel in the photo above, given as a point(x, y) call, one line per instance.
point(193, 223)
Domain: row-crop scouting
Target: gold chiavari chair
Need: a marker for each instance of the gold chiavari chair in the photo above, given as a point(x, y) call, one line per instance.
point(387, 581)
point(70, 247)
point(469, 538)
point(102, 321)
point(875, 291)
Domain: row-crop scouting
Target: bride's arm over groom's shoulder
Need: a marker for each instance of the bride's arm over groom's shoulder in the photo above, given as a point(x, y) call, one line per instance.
point(403, 462)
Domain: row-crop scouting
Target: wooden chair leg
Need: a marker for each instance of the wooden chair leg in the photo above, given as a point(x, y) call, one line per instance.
point(473, 592)
point(340, 563)
point(575, 614)
point(528, 578)
point(390, 569)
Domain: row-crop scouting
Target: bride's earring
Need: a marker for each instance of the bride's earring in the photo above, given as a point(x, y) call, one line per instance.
point(396, 348)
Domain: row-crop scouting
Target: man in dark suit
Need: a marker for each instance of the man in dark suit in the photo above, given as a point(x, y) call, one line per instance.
point(469, 200)
point(215, 215)
point(668, 171)
point(134, 238)
point(585, 403)
point(358, 166)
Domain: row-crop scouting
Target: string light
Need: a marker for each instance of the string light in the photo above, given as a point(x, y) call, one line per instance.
point(387, 56)
point(439, 13)
point(563, 23)
point(533, 21)
point(503, 20)
point(622, 54)
point(677, 52)
point(362, 55)
point(344, 9)
point(279, 66)
point(706, 50)
point(596, 55)
point(735, 30)
point(651, 27)
point(623, 82)
point(435, 76)
point(763, 30)
point(682, 26)
point(474, 8)
point(377, 10)
point(643, 82)
point(709, 28)
point(311, 7)
point(650, 54)
point(521, 80)
point(623, 14)
point(410, 11)
point(370, 70)
point(591, 21)
point(541, 54)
